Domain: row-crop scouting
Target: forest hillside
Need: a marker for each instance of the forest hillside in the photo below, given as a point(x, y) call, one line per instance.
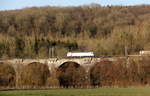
point(53, 31)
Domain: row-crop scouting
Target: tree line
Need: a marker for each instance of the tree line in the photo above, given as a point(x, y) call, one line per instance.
point(36, 31)
point(105, 73)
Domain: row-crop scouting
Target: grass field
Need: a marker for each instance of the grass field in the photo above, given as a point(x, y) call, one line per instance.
point(80, 92)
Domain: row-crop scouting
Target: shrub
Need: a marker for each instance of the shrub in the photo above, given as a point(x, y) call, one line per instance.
point(107, 73)
point(71, 74)
point(7, 75)
point(35, 75)
point(138, 71)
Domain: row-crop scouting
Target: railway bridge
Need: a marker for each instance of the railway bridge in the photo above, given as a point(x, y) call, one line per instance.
point(85, 62)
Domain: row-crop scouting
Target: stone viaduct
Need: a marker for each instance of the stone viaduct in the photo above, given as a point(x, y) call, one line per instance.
point(85, 62)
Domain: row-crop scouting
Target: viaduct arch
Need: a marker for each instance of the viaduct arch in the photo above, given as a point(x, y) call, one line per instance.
point(86, 62)
point(69, 62)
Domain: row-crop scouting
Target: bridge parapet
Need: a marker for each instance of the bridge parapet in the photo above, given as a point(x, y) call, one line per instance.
point(56, 62)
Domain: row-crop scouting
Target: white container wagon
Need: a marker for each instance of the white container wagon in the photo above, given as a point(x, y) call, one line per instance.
point(80, 54)
point(144, 52)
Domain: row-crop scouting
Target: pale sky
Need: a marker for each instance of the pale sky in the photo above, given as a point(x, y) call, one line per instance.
point(18, 4)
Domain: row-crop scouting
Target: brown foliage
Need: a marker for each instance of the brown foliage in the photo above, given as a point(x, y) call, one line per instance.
point(7, 75)
point(71, 74)
point(139, 71)
point(108, 73)
point(35, 75)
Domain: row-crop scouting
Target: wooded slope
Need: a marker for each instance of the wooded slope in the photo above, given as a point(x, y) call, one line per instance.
point(31, 32)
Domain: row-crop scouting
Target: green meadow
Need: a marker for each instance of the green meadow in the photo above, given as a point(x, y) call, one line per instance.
point(80, 92)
